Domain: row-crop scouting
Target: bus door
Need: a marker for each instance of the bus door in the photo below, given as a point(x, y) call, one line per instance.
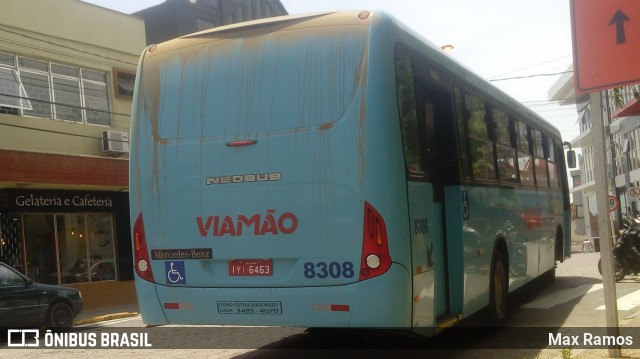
point(427, 207)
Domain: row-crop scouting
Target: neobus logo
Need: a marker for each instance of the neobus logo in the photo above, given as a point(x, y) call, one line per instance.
point(260, 177)
point(218, 226)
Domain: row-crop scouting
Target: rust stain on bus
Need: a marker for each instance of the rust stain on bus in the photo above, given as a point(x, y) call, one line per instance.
point(326, 126)
point(362, 81)
point(189, 49)
point(150, 96)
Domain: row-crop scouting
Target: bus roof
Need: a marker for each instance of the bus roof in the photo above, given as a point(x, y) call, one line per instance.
point(362, 17)
point(293, 21)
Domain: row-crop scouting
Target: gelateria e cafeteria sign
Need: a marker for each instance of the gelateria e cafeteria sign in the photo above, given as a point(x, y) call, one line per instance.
point(65, 201)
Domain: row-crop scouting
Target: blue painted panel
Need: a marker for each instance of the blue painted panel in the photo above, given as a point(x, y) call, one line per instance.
point(524, 218)
point(295, 196)
point(423, 244)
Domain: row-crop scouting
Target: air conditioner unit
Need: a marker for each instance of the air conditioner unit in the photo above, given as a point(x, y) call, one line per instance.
point(115, 142)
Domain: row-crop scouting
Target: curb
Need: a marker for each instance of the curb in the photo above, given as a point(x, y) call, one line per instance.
point(103, 318)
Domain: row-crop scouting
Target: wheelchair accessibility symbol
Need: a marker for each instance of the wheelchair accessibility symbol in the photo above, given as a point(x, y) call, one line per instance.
point(175, 272)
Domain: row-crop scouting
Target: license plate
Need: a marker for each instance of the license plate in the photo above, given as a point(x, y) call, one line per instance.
point(251, 268)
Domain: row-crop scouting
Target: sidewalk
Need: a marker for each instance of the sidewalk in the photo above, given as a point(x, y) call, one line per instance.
point(108, 313)
point(632, 320)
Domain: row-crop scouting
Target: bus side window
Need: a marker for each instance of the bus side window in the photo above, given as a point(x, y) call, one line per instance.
point(480, 144)
point(552, 163)
point(505, 149)
point(524, 156)
point(463, 150)
point(540, 159)
point(408, 116)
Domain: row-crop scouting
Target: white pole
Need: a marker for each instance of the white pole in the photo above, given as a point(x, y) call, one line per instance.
point(606, 240)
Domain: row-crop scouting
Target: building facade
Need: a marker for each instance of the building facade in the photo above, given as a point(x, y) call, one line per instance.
point(621, 114)
point(174, 18)
point(67, 70)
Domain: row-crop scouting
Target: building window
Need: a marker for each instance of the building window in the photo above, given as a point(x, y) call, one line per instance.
point(12, 92)
point(94, 85)
point(41, 96)
point(66, 99)
point(70, 248)
point(124, 82)
point(55, 91)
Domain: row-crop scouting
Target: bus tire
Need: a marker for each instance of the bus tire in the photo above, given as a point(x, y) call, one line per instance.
point(499, 290)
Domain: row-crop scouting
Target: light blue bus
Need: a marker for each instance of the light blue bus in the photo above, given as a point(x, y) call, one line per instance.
point(335, 170)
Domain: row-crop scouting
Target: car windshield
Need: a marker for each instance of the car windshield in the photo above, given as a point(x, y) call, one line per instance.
point(8, 277)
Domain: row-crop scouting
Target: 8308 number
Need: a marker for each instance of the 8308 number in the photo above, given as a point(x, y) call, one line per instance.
point(323, 270)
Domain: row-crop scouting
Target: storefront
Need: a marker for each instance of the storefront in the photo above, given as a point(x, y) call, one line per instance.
point(76, 238)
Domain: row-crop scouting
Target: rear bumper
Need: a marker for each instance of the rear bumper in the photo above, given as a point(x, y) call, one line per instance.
point(381, 302)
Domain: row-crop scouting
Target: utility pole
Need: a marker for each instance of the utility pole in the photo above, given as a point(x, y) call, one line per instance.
point(606, 239)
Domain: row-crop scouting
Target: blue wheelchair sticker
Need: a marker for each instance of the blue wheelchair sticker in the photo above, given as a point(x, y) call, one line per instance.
point(175, 272)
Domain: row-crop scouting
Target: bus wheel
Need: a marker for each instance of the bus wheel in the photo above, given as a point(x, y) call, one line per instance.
point(498, 290)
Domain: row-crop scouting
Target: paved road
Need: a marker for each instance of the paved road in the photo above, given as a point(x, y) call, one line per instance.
point(575, 300)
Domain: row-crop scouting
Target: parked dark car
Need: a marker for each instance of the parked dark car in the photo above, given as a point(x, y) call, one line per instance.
point(25, 304)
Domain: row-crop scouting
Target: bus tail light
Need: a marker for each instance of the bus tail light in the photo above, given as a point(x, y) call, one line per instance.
point(141, 254)
point(375, 247)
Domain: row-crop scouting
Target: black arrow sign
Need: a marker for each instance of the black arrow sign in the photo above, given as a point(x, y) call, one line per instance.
point(618, 19)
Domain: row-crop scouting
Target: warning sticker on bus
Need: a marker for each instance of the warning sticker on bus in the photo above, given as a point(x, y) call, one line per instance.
point(269, 308)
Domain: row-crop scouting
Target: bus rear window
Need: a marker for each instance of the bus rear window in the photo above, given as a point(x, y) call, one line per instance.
point(267, 83)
